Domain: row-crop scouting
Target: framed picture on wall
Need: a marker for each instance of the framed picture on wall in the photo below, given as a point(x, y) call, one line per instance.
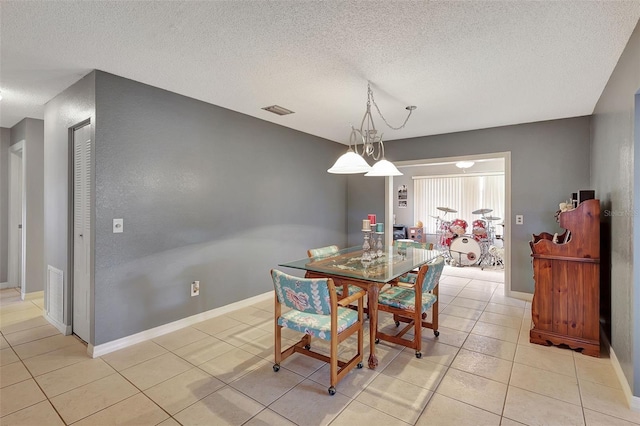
point(402, 196)
point(402, 192)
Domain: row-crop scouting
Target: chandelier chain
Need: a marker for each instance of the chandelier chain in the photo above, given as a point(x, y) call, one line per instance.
point(382, 116)
point(372, 146)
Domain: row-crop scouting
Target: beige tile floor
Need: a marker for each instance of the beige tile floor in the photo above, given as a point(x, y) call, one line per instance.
point(482, 370)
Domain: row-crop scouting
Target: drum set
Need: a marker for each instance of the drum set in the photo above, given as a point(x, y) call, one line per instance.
point(462, 249)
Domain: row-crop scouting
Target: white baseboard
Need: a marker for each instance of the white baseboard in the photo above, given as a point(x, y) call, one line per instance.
point(633, 401)
point(62, 328)
point(33, 295)
point(520, 295)
point(114, 345)
point(5, 285)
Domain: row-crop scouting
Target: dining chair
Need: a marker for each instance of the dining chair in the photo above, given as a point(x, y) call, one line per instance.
point(403, 244)
point(413, 243)
point(322, 252)
point(410, 304)
point(316, 311)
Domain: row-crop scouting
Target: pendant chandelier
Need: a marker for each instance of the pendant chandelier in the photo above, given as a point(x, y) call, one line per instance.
point(366, 142)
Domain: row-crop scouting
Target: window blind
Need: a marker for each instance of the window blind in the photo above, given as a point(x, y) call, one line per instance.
point(462, 193)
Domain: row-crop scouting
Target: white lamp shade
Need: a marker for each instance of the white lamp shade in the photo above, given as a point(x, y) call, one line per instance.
point(384, 168)
point(350, 163)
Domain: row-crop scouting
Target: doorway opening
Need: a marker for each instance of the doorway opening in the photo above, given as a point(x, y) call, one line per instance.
point(403, 209)
point(17, 215)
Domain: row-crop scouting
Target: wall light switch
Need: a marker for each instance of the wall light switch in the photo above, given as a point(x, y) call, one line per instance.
point(118, 226)
point(519, 219)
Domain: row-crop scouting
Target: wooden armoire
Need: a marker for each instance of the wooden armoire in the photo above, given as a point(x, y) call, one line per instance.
point(566, 301)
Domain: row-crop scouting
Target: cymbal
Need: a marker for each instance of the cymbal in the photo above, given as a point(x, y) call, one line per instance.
point(447, 209)
point(436, 217)
point(492, 217)
point(482, 211)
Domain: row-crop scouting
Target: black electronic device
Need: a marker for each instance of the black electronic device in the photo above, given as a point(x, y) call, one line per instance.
point(400, 232)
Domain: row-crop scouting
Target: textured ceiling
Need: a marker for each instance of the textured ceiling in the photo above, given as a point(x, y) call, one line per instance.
point(466, 65)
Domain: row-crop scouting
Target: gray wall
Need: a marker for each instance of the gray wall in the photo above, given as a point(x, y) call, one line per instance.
point(549, 161)
point(206, 194)
point(615, 177)
point(73, 106)
point(4, 202)
point(366, 196)
point(32, 132)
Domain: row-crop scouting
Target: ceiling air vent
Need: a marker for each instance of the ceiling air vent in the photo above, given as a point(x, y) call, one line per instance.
point(276, 109)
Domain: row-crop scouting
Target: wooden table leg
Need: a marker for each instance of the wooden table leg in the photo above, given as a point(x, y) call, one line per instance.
point(372, 303)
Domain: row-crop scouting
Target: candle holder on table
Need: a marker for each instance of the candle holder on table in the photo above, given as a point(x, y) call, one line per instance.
point(366, 246)
point(379, 246)
point(373, 234)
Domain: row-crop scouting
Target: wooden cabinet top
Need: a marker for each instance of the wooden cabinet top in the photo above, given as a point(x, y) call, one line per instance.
point(582, 235)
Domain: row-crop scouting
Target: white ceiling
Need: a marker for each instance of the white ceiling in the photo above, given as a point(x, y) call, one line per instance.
point(466, 65)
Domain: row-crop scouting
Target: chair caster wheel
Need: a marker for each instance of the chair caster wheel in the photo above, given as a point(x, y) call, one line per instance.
point(276, 367)
point(307, 347)
point(436, 333)
point(332, 390)
point(397, 323)
point(359, 365)
point(418, 355)
point(377, 341)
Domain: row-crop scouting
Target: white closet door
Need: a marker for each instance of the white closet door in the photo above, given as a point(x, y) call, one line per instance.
point(83, 151)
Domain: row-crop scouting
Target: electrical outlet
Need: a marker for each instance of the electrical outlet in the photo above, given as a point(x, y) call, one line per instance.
point(118, 226)
point(195, 288)
point(519, 219)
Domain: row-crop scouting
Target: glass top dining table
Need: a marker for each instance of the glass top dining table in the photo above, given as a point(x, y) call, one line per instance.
point(349, 263)
point(349, 267)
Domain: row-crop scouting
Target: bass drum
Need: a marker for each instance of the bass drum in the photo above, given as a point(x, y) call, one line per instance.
point(464, 251)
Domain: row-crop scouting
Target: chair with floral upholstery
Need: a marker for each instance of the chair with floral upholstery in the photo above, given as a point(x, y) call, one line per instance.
point(317, 312)
point(410, 304)
point(413, 243)
point(322, 252)
point(406, 280)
